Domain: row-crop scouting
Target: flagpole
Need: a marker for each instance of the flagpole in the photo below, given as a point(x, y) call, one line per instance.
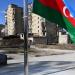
point(25, 11)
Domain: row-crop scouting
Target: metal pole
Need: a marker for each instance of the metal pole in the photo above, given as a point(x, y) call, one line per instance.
point(25, 11)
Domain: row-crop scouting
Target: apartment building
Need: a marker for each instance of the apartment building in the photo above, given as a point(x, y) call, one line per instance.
point(14, 20)
point(38, 25)
point(52, 32)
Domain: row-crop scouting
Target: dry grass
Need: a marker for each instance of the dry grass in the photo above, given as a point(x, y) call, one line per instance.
point(58, 46)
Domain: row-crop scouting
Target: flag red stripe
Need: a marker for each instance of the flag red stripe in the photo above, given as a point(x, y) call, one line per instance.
point(49, 3)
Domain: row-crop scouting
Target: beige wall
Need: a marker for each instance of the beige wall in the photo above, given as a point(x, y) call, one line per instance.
point(14, 20)
point(37, 25)
point(63, 39)
point(10, 22)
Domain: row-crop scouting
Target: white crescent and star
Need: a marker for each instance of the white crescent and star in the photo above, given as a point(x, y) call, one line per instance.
point(64, 11)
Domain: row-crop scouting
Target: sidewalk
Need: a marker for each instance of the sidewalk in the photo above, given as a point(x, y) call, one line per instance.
point(15, 58)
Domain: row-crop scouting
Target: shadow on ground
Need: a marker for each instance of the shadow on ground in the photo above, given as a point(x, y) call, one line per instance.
point(12, 69)
point(38, 68)
point(50, 67)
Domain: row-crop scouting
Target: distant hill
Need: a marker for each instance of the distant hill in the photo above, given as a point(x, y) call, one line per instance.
point(1, 26)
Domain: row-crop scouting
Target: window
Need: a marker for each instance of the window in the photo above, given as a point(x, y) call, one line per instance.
point(22, 35)
point(38, 30)
point(63, 33)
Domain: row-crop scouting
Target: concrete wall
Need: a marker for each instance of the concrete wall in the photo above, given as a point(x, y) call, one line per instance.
point(39, 40)
point(63, 39)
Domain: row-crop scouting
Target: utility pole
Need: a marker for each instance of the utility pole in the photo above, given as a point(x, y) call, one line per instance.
point(25, 16)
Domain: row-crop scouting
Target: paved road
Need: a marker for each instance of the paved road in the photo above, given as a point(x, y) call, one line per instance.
point(59, 64)
point(41, 68)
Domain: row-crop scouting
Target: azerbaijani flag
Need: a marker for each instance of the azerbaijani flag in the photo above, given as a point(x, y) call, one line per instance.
point(71, 6)
point(56, 11)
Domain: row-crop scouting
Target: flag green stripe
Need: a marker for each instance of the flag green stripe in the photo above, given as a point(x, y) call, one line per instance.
point(54, 16)
point(70, 29)
point(48, 13)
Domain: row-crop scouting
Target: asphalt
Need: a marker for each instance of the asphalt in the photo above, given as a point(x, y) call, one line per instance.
point(57, 62)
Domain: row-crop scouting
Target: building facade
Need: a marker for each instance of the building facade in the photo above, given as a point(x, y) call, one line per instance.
point(38, 25)
point(14, 20)
point(52, 32)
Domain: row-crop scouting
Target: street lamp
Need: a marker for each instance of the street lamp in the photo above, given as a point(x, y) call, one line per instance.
point(25, 11)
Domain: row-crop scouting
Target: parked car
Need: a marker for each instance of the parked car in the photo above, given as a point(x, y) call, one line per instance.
point(3, 59)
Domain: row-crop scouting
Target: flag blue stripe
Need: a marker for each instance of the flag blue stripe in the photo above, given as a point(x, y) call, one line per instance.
point(71, 6)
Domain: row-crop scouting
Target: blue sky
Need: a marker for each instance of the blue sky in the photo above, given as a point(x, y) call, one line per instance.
point(4, 4)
